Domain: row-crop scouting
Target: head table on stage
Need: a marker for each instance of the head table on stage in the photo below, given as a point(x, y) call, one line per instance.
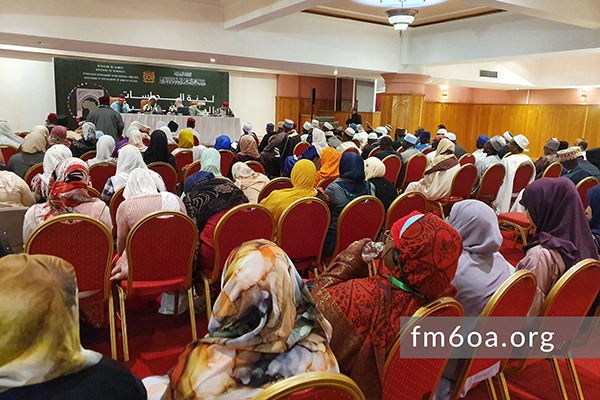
point(208, 127)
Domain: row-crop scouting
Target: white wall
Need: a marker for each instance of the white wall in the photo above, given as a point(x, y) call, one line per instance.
point(26, 91)
point(252, 98)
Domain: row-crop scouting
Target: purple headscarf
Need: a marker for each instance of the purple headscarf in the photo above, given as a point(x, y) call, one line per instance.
point(557, 212)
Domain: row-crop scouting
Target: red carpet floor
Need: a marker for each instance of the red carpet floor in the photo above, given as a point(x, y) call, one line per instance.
point(155, 342)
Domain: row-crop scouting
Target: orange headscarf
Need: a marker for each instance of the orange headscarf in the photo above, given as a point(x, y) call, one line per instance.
point(330, 163)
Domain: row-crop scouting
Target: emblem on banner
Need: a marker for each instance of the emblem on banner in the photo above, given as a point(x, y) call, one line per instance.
point(149, 77)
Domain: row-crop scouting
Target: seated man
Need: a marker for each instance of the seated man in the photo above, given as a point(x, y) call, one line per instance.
point(581, 142)
point(424, 141)
point(490, 149)
point(575, 167)
point(385, 148)
point(512, 162)
point(548, 158)
point(121, 105)
point(408, 144)
point(479, 144)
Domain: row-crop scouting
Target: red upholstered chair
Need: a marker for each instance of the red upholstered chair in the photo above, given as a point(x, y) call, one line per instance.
point(323, 183)
point(113, 206)
point(404, 205)
point(89, 155)
point(490, 183)
point(183, 158)
point(94, 193)
point(172, 147)
point(583, 186)
point(176, 140)
point(99, 174)
point(553, 170)
point(33, 171)
point(167, 173)
point(417, 378)
point(517, 221)
point(467, 159)
point(300, 147)
point(303, 242)
point(274, 184)
point(91, 258)
point(361, 218)
point(427, 151)
point(146, 141)
point(313, 386)
point(462, 185)
point(512, 299)
point(7, 152)
point(190, 169)
point(226, 160)
point(351, 150)
point(238, 225)
point(374, 151)
point(415, 168)
point(256, 166)
point(393, 164)
point(155, 268)
point(524, 174)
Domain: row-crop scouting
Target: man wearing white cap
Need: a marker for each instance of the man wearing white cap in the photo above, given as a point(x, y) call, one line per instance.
point(315, 123)
point(516, 158)
point(408, 144)
point(371, 144)
point(272, 154)
point(575, 167)
point(459, 151)
point(508, 137)
point(347, 136)
point(306, 132)
point(490, 149)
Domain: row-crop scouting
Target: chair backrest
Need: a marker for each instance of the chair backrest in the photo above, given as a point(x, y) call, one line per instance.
point(238, 225)
point(167, 173)
point(300, 147)
point(412, 378)
point(356, 142)
point(303, 242)
point(313, 386)
point(190, 169)
point(7, 152)
point(91, 258)
point(524, 174)
point(323, 183)
point(226, 160)
point(113, 206)
point(512, 299)
point(183, 158)
point(583, 186)
point(256, 166)
point(94, 193)
point(404, 205)
point(467, 159)
point(146, 141)
point(99, 174)
point(88, 155)
point(463, 181)
point(33, 171)
point(393, 164)
point(150, 259)
point(12, 223)
point(361, 218)
point(374, 151)
point(490, 183)
point(427, 151)
point(553, 170)
point(351, 150)
point(172, 146)
point(415, 168)
point(274, 184)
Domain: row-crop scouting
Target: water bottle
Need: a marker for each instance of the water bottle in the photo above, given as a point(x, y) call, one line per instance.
point(372, 250)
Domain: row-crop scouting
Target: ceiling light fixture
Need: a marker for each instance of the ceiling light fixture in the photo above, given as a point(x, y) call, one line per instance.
point(401, 18)
point(212, 60)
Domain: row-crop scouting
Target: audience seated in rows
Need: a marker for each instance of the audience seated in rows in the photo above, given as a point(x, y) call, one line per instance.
point(490, 149)
point(408, 146)
point(309, 154)
point(248, 152)
point(592, 213)
point(136, 139)
point(40, 183)
point(58, 135)
point(186, 142)
point(248, 180)
point(330, 164)
point(32, 151)
point(480, 154)
point(549, 157)
point(575, 167)
point(210, 167)
point(385, 148)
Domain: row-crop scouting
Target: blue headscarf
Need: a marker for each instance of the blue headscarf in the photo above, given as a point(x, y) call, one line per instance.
point(482, 139)
point(223, 142)
point(309, 154)
point(352, 172)
point(593, 198)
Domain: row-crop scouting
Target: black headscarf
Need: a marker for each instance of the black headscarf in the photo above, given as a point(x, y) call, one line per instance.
point(158, 149)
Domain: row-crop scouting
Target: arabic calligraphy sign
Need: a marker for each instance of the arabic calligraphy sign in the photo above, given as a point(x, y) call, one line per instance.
point(79, 83)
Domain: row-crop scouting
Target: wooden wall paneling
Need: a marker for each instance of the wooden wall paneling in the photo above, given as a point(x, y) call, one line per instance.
point(565, 122)
point(402, 110)
point(287, 107)
point(591, 131)
point(320, 104)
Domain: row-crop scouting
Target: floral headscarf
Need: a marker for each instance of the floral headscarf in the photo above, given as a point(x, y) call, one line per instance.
point(88, 131)
point(55, 154)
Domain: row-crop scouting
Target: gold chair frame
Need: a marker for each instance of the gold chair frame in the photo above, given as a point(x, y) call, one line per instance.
point(261, 195)
point(345, 211)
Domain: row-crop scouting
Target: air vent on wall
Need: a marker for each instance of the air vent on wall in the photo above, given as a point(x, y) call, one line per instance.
point(488, 74)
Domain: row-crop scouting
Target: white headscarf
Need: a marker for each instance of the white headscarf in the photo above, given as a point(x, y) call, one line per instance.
point(374, 168)
point(104, 149)
point(133, 125)
point(52, 157)
point(7, 136)
point(141, 183)
point(136, 138)
point(88, 131)
point(129, 159)
point(319, 140)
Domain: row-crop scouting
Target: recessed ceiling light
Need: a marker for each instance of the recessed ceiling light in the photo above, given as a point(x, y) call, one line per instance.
point(335, 72)
point(212, 60)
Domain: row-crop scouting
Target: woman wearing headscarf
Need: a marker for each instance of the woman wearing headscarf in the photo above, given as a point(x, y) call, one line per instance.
point(593, 213)
point(206, 200)
point(319, 140)
point(223, 142)
point(330, 164)
point(31, 153)
point(40, 184)
point(158, 151)
point(384, 190)
point(68, 194)
point(422, 254)
point(129, 159)
point(14, 191)
point(240, 357)
point(310, 154)
point(210, 167)
point(350, 185)
point(87, 142)
point(248, 152)
point(42, 356)
point(58, 135)
point(186, 141)
point(132, 126)
point(7, 136)
point(437, 180)
point(142, 197)
point(562, 235)
point(136, 138)
point(104, 149)
point(303, 181)
point(250, 181)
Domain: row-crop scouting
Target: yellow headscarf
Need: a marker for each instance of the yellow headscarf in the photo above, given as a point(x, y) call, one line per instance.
point(39, 321)
point(330, 164)
point(303, 179)
point(186, 139)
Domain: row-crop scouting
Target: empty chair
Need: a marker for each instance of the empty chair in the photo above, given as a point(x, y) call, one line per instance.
point(167, 173)
point(393, 164)
point(490, 183)
point(274, 184)
point(404, 205)
point(100, 172)
point(226, 160)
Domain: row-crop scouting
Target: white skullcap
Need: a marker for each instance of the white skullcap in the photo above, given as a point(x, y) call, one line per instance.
point(442, 131)
point(328, 125)
point(521, 141)
point(381, 130)
point(508, 136)
point(315, 123)
point(410, 138)
point(350, 132)
point(450, 136)
point(372, 136)
point(307, 125)
point(247, 127)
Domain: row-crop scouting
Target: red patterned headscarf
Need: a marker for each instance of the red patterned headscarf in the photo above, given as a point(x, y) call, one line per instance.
point(68, 187)
point(428, 250)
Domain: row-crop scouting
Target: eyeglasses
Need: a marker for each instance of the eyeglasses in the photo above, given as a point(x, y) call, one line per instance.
point(386, 235)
